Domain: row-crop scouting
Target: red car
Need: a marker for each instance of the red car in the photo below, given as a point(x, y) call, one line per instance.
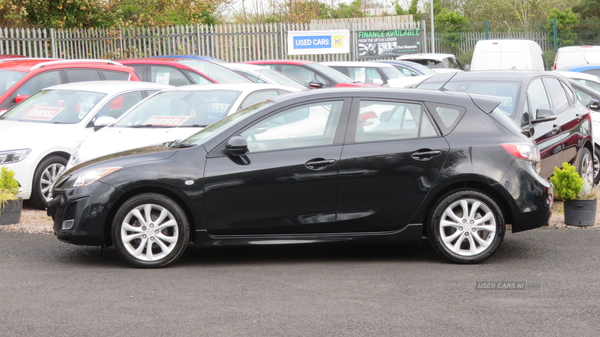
point(312, 74)
point(182, 71)
point(23, 77)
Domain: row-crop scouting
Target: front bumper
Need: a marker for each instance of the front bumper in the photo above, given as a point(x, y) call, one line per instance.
point(81, 217)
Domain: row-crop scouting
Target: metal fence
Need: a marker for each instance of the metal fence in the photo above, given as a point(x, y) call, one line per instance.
point(229, 42)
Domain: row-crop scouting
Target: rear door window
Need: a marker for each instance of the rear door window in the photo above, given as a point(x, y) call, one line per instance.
point(115, 75)
point(82, 75)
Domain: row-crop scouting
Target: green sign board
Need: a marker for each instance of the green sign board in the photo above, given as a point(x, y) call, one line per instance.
point(376, 44)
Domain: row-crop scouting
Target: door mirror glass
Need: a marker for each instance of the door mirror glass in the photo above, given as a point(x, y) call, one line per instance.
point(20, 98)
point(237, 145)
point(544, 115)
point(314, 84)
point(103, 121)
point(594, 105)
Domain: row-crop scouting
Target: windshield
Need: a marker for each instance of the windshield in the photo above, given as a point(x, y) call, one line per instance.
point(332, 73)
point(279, 78)
point(175, 108)
point(214, 129)
point(392, 72)
point(420, 68)
point(216, 72)
point(8, 78)
point(508, 91)
point(55, 106)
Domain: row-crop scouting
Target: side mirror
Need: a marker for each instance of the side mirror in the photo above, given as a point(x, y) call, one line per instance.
point(544, 115)
point(102, 122)
point(594, 105)
point(314, 84)
point(237, 145)
point(527, 131)
point(467, 67)
point(21, 98)
point(378, 81)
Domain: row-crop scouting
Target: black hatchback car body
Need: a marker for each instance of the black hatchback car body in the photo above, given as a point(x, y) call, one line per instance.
point(543, 104)
point(334, 165)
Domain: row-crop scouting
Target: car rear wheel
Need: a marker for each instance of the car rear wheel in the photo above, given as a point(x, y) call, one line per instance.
point(150, 231)
point(466, 226)
point(586, 167)
point(45, 175)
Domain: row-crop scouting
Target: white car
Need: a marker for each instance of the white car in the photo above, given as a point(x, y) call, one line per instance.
point(261, 74)
point(173, 114)
point(38, 135)
point(375, 73)
point(440, 63)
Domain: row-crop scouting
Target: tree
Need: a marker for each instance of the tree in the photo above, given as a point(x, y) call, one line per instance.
point(565, 22)
point(450, 25)
point(588, 9)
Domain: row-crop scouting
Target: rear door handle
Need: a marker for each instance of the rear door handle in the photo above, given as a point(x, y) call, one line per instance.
point(318, 164)
point(425, 155)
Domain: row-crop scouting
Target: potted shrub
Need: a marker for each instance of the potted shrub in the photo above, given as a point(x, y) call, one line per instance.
point(579, 198)
point(10, 204)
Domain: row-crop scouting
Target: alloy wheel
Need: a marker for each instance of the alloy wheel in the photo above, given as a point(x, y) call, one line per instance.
point(467, 227)
point(149, 232)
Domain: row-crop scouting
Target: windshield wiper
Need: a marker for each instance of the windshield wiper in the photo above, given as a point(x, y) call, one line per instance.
point(150, 126)
point(193, 126)
point(177, 143)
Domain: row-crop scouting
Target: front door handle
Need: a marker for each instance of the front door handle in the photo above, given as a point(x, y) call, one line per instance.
point(318, 164)
point(425, 155)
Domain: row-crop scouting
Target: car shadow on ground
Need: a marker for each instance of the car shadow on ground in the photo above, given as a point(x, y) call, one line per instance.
point(301, 253)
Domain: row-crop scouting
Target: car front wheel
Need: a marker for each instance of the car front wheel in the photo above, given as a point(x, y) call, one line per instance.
point(586, 167)
point(150, 231)
point(596, 165)
point(466, 226)
point(45, 175)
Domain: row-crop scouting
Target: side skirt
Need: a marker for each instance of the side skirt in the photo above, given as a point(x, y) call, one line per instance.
point(411, 233)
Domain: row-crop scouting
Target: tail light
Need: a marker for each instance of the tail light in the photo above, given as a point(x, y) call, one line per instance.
point(526, 151)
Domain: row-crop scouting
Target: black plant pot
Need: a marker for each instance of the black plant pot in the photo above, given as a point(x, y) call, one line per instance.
point(11, 212)
point(580, 213)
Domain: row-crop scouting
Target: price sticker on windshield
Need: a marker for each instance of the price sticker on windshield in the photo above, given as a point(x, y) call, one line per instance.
point(42, 113)
point(166, 120)
point(506, 101)
point(219, 107)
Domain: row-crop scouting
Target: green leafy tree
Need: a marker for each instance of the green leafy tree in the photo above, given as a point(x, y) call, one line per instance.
point(565, 24)
point(352, 10)
point(588, 9)
point(450, 25)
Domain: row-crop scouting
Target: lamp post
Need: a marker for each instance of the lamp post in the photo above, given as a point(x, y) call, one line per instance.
point(432, 29)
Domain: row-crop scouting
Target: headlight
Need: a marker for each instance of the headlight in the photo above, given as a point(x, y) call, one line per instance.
point(87, 177)
point(13, 156)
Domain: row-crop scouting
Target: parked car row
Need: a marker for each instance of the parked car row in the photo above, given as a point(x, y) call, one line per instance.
point(147, 167)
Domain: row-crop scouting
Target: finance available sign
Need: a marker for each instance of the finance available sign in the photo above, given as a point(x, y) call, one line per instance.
point(313, 42)
point(375, 44)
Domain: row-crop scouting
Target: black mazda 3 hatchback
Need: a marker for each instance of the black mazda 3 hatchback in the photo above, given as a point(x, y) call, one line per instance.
point(325, 166)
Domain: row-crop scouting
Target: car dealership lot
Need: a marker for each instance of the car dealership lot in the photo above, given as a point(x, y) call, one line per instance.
point(52, 289)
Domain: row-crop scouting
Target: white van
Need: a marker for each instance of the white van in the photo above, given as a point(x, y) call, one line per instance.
point(576, 55)
point(507, 54)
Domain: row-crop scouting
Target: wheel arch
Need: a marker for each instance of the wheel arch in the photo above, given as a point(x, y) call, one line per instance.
point(465, 185)
point(141, 190)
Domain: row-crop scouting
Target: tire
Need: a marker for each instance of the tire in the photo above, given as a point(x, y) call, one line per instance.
point(457, 237)
point(596, 165)
point(150, 231)
point(586, 166)
point(45, 174)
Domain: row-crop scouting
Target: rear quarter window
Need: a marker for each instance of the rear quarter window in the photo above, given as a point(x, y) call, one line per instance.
point(112, 75)
point(446, 116)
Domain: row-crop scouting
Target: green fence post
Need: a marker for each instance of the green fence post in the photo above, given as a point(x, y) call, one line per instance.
point(487, 30)
point(555, 30)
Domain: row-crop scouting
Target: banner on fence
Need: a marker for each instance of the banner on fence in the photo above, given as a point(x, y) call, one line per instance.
point(313, 42)
point(374, 44)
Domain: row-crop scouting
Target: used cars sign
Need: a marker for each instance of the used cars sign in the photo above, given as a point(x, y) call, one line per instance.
point(318, 42)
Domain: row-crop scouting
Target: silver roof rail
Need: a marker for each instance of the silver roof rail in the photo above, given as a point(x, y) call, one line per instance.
point(49, 63)
point(24, 59)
